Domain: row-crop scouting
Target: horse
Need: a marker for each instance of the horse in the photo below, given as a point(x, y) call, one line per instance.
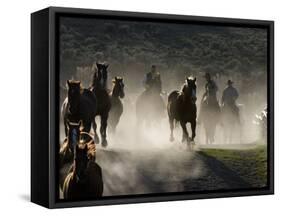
point(230, 119)
point(99, 88)
point(210, 117)
point(182, 108)
point(150, 108)
point(80, 104)
point(84, 181)
point(116, 104)
point(73, 135)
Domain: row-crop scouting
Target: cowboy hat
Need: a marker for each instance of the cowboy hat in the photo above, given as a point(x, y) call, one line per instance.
point(229, 82)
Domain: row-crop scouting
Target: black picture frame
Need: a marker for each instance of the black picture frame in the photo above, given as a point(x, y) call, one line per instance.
point(45, 113)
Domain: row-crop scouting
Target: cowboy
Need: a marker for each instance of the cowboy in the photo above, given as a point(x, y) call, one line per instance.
point(153, 81)
point(229, 96)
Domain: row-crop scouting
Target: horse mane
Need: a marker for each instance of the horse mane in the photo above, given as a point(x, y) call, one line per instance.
point(185, 85)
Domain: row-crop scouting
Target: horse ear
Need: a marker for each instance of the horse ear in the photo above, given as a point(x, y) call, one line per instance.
point(68, 83)
point(195, 79)
point(81, 126)
point(98, 65)
point(106, 66)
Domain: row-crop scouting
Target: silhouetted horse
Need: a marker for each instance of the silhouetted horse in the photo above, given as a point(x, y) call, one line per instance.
point(73, 136)
point(116, 104)
point(150, 108)
point(80, 104)
point(182, 108)
point(84, 181)
point(231, 123)
point(99, 88)
point(210, 116)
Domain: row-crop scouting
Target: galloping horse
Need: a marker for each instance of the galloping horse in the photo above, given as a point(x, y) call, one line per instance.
point(230, 119)
point(150, 108)
point(99, 88)
point(116, 104)
point(75, 136)
point(80, 104)
point(84, 181)
point(210, 115)
point(182, 108)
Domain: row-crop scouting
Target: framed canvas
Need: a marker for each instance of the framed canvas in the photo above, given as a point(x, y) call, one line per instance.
point(138, 107)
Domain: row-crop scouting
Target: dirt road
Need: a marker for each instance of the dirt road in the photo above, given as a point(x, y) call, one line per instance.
point(164, 170)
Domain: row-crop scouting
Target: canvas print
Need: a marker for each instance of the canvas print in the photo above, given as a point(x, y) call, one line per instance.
point(148, 107)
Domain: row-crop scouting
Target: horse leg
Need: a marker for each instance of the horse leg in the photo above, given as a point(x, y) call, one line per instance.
point(103, 127)
point(212, 134)
point(184, 130)
point(96, 136)
point(193, 133)
point(185, 133)
point(193, 129)
point(225, 135)
point(171, 121)
point(115, 123)
point(207, 135)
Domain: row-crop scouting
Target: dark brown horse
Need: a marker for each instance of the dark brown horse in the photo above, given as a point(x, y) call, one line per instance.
point(84, 181)
point(80, 104)
point(116, 104)
point(182, 108)
point(76, 136)
point(99, 88)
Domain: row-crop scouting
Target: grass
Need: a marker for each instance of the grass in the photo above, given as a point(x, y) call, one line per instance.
point(249, 164)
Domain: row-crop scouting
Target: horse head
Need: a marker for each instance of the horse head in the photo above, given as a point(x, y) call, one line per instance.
point(81, 160)
point(118, 87)
point(73, 94)
point(74, 129)
point(189, 89)
point(101, 74)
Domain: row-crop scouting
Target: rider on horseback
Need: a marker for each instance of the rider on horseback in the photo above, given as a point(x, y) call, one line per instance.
point(210, 95)
point(150, 106)
point(210, 110)
point(229, 97)
point(152, 81)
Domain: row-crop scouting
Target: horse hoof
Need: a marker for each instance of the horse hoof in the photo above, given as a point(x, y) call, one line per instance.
point(172, 139)
point(104, 143)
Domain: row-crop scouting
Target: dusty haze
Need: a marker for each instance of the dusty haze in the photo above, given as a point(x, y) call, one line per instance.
point(178, 50)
